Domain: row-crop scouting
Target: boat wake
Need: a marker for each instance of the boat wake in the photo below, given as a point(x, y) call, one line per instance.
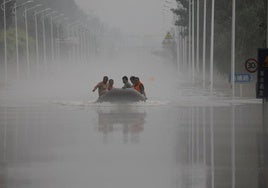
point(103, 104)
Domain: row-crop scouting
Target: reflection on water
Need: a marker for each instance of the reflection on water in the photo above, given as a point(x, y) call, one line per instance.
point(126, 120)
point(214, 146)
point(263, 151)
point(224, 147)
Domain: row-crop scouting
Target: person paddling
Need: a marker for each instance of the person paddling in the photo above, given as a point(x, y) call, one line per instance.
point(102, 86)
point(110, 84)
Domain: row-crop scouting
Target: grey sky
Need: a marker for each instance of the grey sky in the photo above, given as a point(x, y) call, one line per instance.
point(131, 16)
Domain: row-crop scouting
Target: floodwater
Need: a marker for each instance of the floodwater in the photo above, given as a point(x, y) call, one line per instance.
point(154, 145)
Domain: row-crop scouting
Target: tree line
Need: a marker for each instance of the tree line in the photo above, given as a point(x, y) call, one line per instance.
point(250, 29)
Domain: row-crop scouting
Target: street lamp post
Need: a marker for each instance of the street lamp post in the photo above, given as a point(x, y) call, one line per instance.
point(184, 48)
point(212, 47)
point(87, 35)
point(75, 45)
point(204, 43)
point(66, 36)
point(233, 50)
point(83, 43)
point(189, 35)
point(36, 36)
point(75, 34)
point(58, 43)
point(52, 35)
point(197, 36)
point(17, 45)
point(27, 35)
point(44, 41)
point(56, 57)
point(193, 41)
point(44, 38)
point(16, 34)
point(3, 7)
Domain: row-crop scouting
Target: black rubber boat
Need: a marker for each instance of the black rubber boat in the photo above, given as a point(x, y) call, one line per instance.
point(118, 95)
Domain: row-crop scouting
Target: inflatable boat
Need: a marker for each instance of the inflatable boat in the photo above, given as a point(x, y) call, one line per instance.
point(118, 95)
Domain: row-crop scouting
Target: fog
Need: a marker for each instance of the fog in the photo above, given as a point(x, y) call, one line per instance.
point(131, 17)
point(130, 43)
point(74, 81)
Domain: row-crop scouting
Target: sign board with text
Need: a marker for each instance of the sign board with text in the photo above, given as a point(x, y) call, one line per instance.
point(262, 78)
point(242, 78)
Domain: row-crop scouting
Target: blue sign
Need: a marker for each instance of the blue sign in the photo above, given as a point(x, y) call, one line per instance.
point(262, 82)
point(242, 78)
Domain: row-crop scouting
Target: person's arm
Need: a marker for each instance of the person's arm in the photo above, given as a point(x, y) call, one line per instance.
point(142, 89)
point(96, 87)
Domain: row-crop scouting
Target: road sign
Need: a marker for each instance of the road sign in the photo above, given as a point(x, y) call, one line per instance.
point(262, 82)
point(242, 78)
point(168, 36)
point(251, 65)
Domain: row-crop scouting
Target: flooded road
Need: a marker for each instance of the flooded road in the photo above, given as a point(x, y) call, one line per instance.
point(138, 145)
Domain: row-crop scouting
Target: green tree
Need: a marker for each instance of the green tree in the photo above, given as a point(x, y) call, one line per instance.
point(9, 13)
point(250, 29)
point(11, 42)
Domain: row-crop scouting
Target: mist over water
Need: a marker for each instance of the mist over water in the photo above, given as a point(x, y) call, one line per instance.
point(71, 83)
point(74, 81)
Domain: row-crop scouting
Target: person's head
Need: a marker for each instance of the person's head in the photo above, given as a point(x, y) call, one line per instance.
point(111, 82)
point(125, 79)
point(105, 79)
point(132, 79)
point(136, 80)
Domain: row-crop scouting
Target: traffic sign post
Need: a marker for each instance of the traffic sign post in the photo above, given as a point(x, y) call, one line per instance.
point(262, 78)
point(241, 79)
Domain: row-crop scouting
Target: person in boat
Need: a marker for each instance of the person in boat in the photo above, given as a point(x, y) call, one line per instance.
point(126, 83)
point(110, 84)
point(102, 86)
point(138, 86)
point(132, 80)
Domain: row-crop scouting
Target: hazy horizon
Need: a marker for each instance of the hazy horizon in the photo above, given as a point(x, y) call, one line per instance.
point(130, 16)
